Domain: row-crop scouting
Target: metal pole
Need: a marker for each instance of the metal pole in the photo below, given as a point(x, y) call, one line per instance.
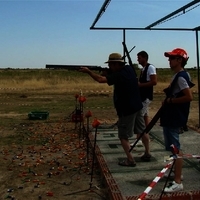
point(124, 40)
point(197, 52)
point(93, 158)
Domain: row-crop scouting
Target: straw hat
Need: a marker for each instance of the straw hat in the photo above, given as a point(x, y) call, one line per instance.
point(115, 57)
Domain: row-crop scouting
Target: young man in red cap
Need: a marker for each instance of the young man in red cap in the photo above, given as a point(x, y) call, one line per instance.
point(127, 101)
point(176, 110)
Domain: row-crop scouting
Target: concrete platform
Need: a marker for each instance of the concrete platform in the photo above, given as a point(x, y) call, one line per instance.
point(130, 182)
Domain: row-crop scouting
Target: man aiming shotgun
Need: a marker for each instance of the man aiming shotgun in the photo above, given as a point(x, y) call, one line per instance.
point(126, 99)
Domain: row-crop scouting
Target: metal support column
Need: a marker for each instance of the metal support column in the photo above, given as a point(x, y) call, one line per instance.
point(197, 51)
point(124, 40)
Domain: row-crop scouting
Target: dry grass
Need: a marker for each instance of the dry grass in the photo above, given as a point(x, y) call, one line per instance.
point(54, 84)
point(59, 81)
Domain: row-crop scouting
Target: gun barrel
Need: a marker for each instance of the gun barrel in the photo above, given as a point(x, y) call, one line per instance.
point(75, 67)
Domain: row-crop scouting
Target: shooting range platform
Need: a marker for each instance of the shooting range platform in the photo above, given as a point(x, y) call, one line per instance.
point(130, 182)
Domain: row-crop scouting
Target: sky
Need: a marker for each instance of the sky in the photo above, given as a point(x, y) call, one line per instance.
point(39, 32)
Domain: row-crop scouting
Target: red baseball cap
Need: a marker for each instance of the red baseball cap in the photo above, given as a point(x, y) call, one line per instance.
point(177, 52)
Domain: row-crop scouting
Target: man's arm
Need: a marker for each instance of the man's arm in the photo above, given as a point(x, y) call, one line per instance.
point(187, 97)
point(152, 82)
point(96, 77)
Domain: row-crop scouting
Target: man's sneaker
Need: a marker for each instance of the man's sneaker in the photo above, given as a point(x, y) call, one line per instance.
point(173, 187)
point(146, 157)
point(139, 144)
point(166, 174)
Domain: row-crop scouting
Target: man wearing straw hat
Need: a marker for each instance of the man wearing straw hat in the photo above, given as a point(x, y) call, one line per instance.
point(126, 99)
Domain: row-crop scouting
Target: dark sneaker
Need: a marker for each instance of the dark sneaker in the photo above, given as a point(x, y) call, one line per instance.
point(185, 128)
point(146, 157)
point(127, 163)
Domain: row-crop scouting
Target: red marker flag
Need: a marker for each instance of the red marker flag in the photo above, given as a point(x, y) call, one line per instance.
point(95, 123)
point(82, 99)
point(88, 114)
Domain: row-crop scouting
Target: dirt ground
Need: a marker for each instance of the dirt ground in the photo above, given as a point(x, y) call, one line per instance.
point(52, 159)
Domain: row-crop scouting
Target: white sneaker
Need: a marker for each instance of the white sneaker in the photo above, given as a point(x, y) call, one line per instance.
point(174, 187)
point(139, 144)
point(166, 174)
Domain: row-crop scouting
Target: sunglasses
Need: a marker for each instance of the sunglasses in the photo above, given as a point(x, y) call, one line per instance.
point(173, 57)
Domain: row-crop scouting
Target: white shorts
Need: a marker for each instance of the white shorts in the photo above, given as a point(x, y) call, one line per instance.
point(145, 109)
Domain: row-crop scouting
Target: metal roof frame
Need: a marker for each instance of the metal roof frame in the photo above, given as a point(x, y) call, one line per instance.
point(149, 27)
point(152, 27)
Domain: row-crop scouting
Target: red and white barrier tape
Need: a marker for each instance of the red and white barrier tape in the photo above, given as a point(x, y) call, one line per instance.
point(154, 182)
point(168, 158)
point(161, 173)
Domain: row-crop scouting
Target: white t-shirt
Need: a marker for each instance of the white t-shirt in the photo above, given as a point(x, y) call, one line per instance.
point(181, 84)
point(151, 71)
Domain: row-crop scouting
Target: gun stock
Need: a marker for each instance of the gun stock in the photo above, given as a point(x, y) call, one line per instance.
point(128, 56)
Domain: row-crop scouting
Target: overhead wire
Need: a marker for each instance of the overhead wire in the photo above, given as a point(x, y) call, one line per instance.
point(178, 15)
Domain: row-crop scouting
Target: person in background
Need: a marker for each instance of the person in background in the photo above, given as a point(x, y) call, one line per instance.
point(126, 99)
point(147, 80)
point(176, 110)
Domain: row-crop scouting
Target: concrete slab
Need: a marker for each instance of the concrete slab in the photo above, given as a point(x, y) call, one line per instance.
point(131, 182)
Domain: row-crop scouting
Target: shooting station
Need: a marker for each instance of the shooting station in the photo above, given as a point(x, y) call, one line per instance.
point(145, 181)
point(153, 27)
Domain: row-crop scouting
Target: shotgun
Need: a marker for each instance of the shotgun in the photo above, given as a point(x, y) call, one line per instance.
point(128, 56)
point(149, 126)
point(77, 67)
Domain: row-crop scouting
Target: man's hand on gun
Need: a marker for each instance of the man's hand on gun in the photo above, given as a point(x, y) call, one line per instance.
point(84, 69)
point(87, 70)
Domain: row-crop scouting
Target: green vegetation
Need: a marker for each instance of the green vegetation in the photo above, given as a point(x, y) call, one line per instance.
point(50, 74)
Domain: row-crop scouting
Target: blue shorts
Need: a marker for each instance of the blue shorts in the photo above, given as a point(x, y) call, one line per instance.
point(171, 136)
